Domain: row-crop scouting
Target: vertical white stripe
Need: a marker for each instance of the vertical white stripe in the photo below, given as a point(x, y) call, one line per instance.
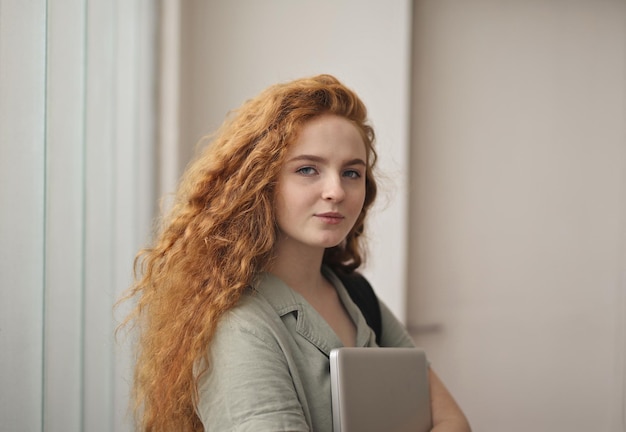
point(100, 134)
point(169, 99)
point(22, 191)
point(64, 216)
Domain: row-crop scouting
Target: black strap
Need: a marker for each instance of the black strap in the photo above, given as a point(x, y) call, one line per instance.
point(364, 297)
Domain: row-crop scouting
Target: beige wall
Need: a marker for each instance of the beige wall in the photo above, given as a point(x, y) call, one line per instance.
point(518, 209)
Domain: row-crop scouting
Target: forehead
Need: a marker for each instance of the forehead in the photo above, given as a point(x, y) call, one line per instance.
point(329, 132)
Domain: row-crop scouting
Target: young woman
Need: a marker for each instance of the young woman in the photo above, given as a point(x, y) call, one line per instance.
point(239, 301)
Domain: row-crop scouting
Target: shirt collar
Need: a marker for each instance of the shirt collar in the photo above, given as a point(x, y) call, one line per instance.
point(310, 323)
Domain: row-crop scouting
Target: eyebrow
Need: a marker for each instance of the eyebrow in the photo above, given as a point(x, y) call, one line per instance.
point(313, 158)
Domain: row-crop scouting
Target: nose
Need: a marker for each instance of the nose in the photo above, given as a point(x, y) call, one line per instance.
point(333, 189)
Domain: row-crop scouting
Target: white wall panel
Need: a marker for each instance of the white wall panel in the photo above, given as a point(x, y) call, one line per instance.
point(100, 147)
point(76, 198)
point(64, 216)
point(22, 212)
point(132, 170)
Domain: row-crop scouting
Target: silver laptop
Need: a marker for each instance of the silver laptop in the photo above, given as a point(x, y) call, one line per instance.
point(380, 389)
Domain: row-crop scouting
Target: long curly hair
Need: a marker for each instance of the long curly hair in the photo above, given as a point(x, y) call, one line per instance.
point(219, 236)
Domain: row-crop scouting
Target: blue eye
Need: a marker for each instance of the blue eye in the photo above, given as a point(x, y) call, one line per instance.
point(352, 174)
point(307, 171)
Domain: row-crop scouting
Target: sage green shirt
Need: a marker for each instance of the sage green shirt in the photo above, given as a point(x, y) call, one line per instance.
point(269, 361)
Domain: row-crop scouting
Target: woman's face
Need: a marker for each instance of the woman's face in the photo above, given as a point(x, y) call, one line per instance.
point(321, 187)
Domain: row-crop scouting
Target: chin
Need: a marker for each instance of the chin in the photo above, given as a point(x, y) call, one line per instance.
point(333, 243)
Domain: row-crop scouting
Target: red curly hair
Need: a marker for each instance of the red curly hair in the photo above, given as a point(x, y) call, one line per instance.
point(219, 236)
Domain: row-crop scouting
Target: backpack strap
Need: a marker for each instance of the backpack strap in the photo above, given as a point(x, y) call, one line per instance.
point(364, 297)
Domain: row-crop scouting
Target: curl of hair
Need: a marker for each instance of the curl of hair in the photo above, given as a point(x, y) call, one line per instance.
point(218, 236)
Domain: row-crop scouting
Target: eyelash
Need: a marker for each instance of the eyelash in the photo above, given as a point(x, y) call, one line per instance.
point(306, 171)
point(353, 174)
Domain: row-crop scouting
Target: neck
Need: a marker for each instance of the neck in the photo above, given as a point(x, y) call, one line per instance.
point(299, 267)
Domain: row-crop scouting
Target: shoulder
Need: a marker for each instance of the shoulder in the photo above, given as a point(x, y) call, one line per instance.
point(252, 317)
point(261, 311)
point(247, 357)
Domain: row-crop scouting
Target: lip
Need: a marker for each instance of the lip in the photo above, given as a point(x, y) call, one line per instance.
point(332, 218)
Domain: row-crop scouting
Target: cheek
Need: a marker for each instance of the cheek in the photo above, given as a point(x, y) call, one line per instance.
point(286, 204)
point(359, 197)
point(280, 205)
